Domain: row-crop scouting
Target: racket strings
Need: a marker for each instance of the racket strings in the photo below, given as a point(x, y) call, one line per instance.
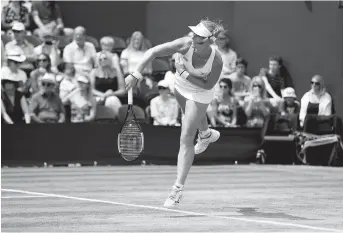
point(131, 140)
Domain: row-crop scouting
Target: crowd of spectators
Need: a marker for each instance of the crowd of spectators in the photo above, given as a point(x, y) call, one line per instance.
point(47, 83)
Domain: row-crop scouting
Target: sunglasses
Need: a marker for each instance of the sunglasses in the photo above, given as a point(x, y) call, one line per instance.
point(16, 31)
point(256, 85)
point(43, 60)
point(315, 83)
point(162, 88)
point(223, 86)
point(44, 84)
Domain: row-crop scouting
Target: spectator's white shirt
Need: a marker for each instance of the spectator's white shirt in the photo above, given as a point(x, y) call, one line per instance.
point(133, 57)
point(325, 105)
point(83, 58)
point(164, 112)
point(170, 78)
point(19, 76)
point(26, 48)
point(229, 60)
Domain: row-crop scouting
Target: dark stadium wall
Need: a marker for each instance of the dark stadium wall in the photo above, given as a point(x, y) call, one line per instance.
point(103, 18)
point(309, 42)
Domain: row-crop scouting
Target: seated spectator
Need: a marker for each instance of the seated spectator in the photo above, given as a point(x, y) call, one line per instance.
point(46, 106)
point(229, 56)
point(257, 106)
point(225, 106)
point(48, 18)
point(43, 67)
point(83, 107)
point(68, 83)
point(80, 52)
point(108, 82)
point(12, 70)
point(27, 48)
point(12, 12)
point(316, 101)
point(14, 107)
point(287, 118)
point(274, 82)
point(240, 82)
point(129, 59)
point(164, 108)
point(49, 47)
point(169, 77)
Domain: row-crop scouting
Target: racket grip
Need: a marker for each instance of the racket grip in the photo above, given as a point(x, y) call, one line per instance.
point(129, 97)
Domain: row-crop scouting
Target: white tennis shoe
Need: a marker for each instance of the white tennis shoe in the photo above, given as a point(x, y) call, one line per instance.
point(202, 143)
point(174, 197)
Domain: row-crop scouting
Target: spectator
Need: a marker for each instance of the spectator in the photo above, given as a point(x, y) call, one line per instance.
point(164, 108)
point(48, 18)
point(68, 83)
point(229, 56)
point(225, 106)
point(240, 82)
point(12, 70)
point(43, 67)
point(81, 53)
point(46, 106)
point(12, 12)
point(274, 82)
point(108, 82)
point(316, 101)
point(14, 107)
point(133, 54)
point(169, 77)
point(3, 55)
point(257, 106)
point(49, 47)
point(20, 42)
point(107, 45)
point(83, 107)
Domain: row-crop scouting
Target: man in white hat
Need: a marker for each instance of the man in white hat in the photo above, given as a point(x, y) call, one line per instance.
point(12, 71)
point(20, 42)
point(46, 106)
point(289, 108)
point(164, 108)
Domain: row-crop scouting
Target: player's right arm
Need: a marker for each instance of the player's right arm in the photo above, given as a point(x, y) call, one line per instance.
point(177, 46)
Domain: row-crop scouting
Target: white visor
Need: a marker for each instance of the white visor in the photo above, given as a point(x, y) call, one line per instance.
point(201, 30)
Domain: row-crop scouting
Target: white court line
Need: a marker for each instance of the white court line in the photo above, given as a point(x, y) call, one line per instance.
point(20, 197)
point(173, 210)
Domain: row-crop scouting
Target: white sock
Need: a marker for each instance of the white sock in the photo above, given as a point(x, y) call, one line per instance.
point(205, 133)
point(178, 185)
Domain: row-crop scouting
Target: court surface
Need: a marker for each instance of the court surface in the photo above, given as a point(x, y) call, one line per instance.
point(230, 198)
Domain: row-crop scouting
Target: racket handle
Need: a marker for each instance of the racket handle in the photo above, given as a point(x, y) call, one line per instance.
point(129, 97)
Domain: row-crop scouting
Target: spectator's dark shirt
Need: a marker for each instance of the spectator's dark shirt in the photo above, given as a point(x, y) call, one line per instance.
point(276, 82)
point(294, 109)
point(46, 14)
point(11, 15)
point(14, 111)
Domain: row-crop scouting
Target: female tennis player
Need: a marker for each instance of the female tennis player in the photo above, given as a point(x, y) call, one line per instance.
point(198, 70)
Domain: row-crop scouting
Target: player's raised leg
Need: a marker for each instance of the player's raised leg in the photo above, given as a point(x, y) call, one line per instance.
point(206, 136)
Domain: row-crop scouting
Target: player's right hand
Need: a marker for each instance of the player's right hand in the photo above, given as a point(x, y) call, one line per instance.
point(130, 82)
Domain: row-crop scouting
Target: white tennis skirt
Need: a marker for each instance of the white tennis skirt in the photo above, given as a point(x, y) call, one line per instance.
point(192, 92)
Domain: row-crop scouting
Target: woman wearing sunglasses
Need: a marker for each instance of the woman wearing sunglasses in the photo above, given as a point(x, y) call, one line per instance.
point(257, 106)
point(224, 106)
point(316, 101)
point(198, 69)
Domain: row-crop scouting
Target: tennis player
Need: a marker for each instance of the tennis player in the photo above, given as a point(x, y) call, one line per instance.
point(198, 69)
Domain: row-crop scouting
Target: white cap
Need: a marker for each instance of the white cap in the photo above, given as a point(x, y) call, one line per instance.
point(289, 92)
point(18, 26)
point(163, 83)
point(16, 54)
point(201, 30)
point(48, 77)
point(82, 79)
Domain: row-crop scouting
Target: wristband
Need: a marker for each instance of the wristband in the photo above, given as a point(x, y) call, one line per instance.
point(137, 75)
point(184, 74)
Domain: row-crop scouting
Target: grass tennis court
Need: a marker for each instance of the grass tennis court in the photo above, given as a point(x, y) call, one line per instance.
point(241, 198)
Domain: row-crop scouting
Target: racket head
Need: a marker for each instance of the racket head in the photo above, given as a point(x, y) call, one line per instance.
point(130, 141)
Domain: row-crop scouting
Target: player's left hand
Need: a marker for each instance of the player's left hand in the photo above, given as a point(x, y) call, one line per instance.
point(130, 82)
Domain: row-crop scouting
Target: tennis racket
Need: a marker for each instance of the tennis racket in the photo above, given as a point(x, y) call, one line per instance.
point(130, 138)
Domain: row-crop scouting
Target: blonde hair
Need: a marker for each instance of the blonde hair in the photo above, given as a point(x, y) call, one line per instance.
point(258, 80)
point(107, 40)
point(137, 33)
point(215, 27)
